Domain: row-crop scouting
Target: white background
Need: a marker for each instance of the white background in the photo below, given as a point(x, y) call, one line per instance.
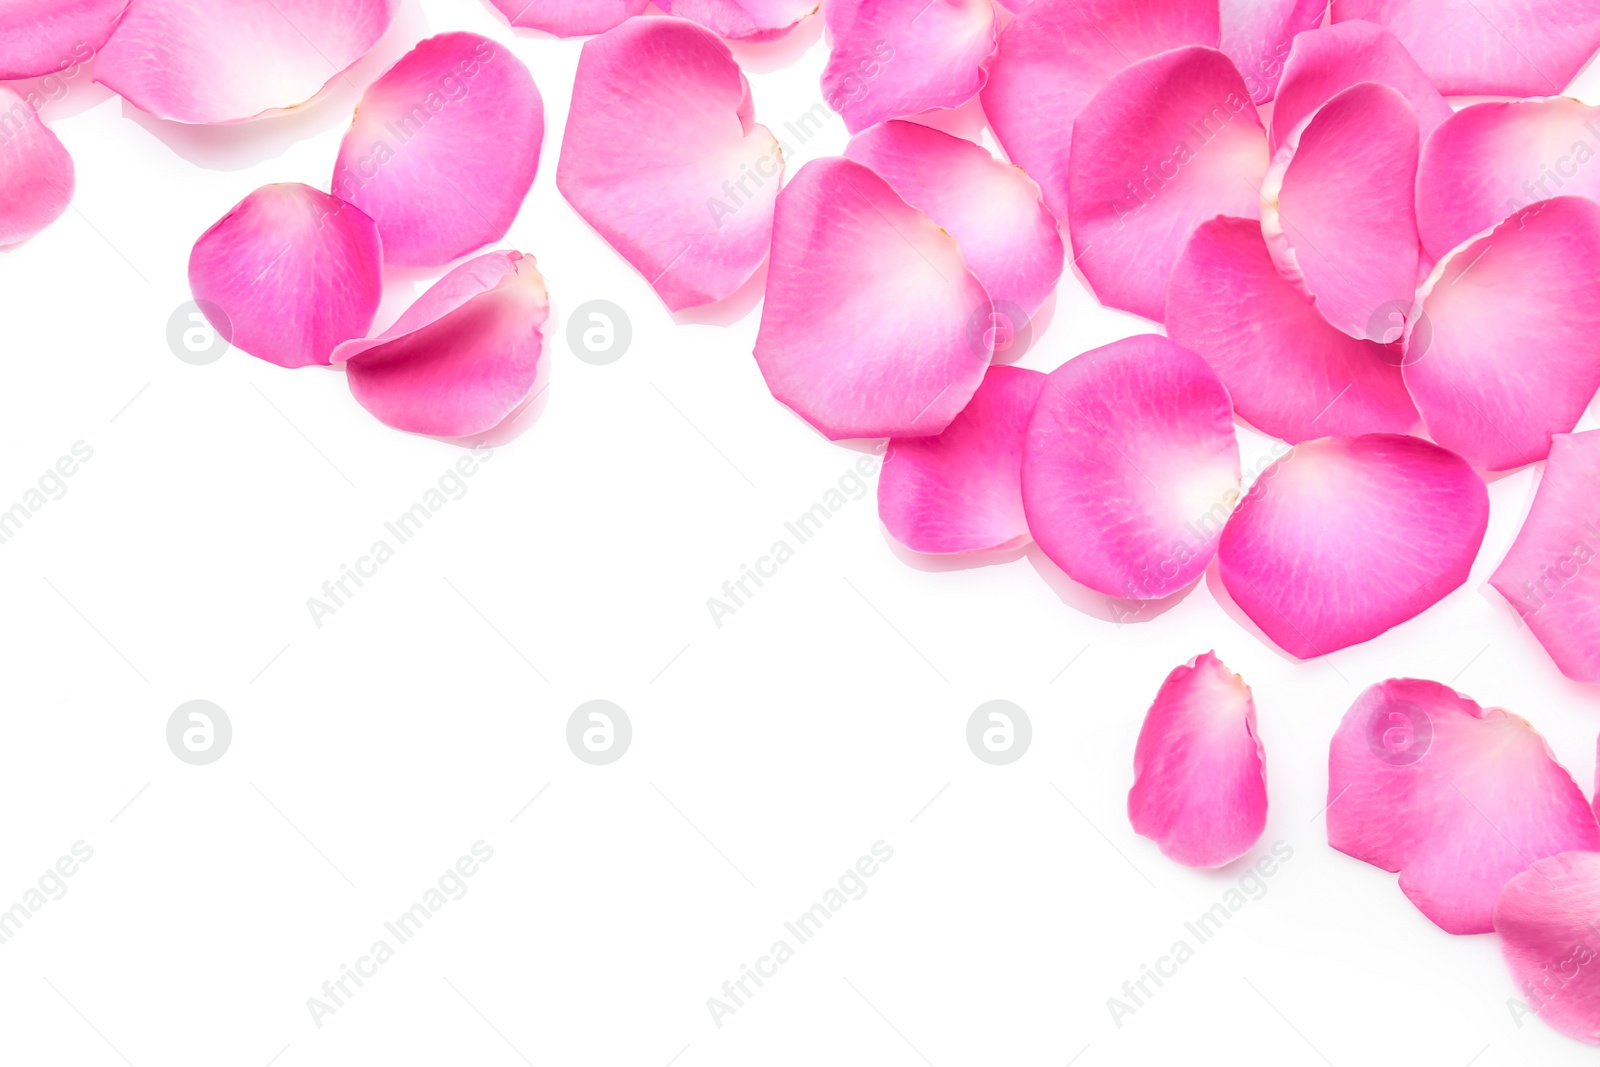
point(828, 714)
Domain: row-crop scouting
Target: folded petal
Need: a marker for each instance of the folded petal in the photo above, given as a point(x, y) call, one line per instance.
point(1455, 797)
point(1318, 572)
point(873, 325)
point(443, 149)
point(662, 156)
point(1131, 467)
point(1257, 34)
point(463, 357)
point(1168, 143)
point(744, 20)
point(994, 211)
point(220, 61)
point(1323, 63)
point(1512, 319)
point(36, 173)
point(47, 36)
point(900, 57)
point(1200, 784)
point(1548, 919)
point(569, 18)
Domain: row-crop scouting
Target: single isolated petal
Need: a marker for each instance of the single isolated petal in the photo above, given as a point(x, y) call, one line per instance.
point(1200, 783)
point(1455, 797)
point(744, 20)
point(994, 211)
point(961, 490)
point(47, 36)
point(569, 18)
point(1290, 374)
point(900, 57)
point(443, 149)
point(1345, 537)
point(1257, 34)
point(220, 61)
point(873, 325)
point(1131, 467)
point(463, 357)
point(293, 271)
point(36, 173)
point(1323, 63)
point(1168, 143)
point(1511, 319)
point(1548, 919)
point(663, 157)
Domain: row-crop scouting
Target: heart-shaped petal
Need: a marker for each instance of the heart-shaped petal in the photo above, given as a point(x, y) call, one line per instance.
point(36, 173)
point(900, 57)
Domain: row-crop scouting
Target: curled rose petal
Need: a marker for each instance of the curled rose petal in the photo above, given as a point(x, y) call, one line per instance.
point(1548, 919)
point(1131, 467)
point(744, 20)
point(36, 173)
point(293, 271)
point(900, 57)
point(40, 37)
point(569, 18)
point(1455, 797)
point(1257, 34)
point(462, 358)
point(443, 149)
point(221, 61)
point(873, 325)
point(1324, 63)
point(1200, 783)
point(1346, 537)
point(662, 156)
point(961, 490)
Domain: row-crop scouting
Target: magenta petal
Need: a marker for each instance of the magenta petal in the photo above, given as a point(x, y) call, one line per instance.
point(47, 36)
point(1323, 63)
point(443, 149)
point(1200, 783)
point(1455, 797)
point(1317, 573)
point(1131, 467)
point(36, 173)
point(1256, 34)
point(1167, 144)
point(744, 20)
point(569, 18)
point(662, 156)
point(463, 357)
point(1548, 919)
point(899, 57)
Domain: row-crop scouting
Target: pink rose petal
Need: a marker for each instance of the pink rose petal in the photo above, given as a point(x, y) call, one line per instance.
point(40, 37)
point(36, 173)
point(1324, 63)
point(569, 18)
point(1548, 919)
point(899, 57)
point(744, 20)
point(1257, 34)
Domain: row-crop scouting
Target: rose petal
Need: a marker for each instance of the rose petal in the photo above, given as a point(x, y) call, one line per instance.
point(744, 20)
point(663, 158)
point(1455, 797)
point(1200, 784)
point(36, 173)
point(293, 271)
point(443, 149)
point(1131, 467)
point(569, 18)
point(40, 37)
point(1548, 919)
point(899, 57)
point(1323, 63)
point(1256, 34)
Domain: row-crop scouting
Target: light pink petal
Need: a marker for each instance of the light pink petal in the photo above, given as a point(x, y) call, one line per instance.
point(1455, 797)
point(1289, 373)
point(218, 61)
point(293, 272)
point(744, 20)
point(463, 357)
point(994, 211)
point(873, 325)
point(1200, 784)
point(36, 173)
point(899, 57)
point(961, 490)
point(443, 149)
point(1550, 575)
point(1323, 63)
point(1256, 34)
point(663, 157)
point(1339, 209)
point(1131, 467)
point(569, 18)
point(46, 36)
point(1168, 143)
point(1058, 54)
point(1548, 919)
point(1510, 354)
point(1318, 572)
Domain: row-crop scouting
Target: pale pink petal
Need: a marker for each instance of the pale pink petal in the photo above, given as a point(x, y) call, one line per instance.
point(1345, 537)
point(1168, 143)
point(47, 36)
point(569, 18)
point(663, 157)
point(1548, 919)
point(1200, 784)
point(1007, 236)
point(961, 490)
point(873, 325)
point(36, 173)
point(1257, 34)
point(218, 61)
point(1323, 63)
point(1131, 467)
point(1455, 797)
point(443, 149)
point(293, 271)
point(463, 357)
point(744, 20)
point(899, 57)
point(1512, 319)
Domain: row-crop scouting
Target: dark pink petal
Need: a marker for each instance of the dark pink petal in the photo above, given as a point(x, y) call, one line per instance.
point(218, 61)
point(1289, 373)
point(1324, 63)
point(1548, 919)
point(36, 173)
point(47, 36)
point(744, 20)
point(443, 149)
point(1345, 537)
point(1167, 144)
point(1007, 236)
point(1511, 324)
point(1131, 467)
point(1455, 797)
point(663, 157)
point(873, 325)
point(1200, 783)
point(961, 490)
point(463, 357)
point(569, 18)
point(1256, 34)
point(899, 57)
